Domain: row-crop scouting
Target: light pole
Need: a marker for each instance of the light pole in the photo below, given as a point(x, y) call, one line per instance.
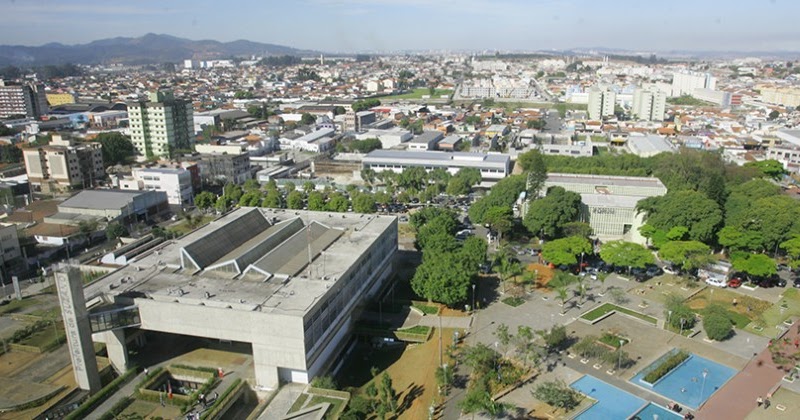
point(619, 362)
point(682, 321)
point(703, 388)
point(496, 361)
point(669, 316)
point(473, 297)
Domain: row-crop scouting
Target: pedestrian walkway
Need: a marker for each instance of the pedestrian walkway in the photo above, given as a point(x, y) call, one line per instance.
point(455, 322)
point(282, 403)
point(738, 397)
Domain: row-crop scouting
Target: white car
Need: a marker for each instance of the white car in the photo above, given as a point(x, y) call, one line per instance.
point(716, 282)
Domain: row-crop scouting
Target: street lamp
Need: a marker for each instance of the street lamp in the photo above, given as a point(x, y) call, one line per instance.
point(619, 362)
point(669, 316)
point(703, 388)
point(473, 297)
point(682, 321)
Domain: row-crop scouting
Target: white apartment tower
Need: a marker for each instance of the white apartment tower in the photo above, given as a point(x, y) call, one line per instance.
point(649, 104)
point(162, 125)
point(686, 83)
point(601, 103)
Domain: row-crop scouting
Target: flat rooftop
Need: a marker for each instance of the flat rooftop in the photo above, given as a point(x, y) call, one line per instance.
point(252, 259)
point(101, 199)
point(608, 180)
point(442, 157)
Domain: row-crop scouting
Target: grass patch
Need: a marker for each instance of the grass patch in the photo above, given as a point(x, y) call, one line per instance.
point(44, 338)
point(299, 403)
point(787, 307)
point(605, 308)
point(17, 305)
point(612, 340)
point(183, 228)
point(337, 405)
point(138, 409)
point(418, 329)
point(426, 309)
point(665, 367)
point(418, 93)
point(513, 301)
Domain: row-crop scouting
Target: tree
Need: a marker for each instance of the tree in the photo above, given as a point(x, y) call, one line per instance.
point(687, 255)
point(677, 314)
point(533, 162)
point(563, 294)
point(773, 115)
point(115, 230)
point(523, 343)
point(626, 254)
point(365, 104)
point(504, 193)
point(773, 220)
point(294, 200)
point(499, 219)
point(792, 248)
point(717, 322)
point(565, 251)
point(691, 209)
point(117, 148)
point(443, 280)
point(547, 216)
point(307, 119)
point(555, 338)
point(337, 202)
point(757, 265)
point(503, 336)
point(508, 268)
point(770, 168)
point(86, 229)
point(581, 229)
point(743, 196)
point(316, 201)
point(273, 199)
point(364, 203)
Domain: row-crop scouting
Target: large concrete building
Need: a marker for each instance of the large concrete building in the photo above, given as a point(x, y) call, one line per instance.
point(288, 283)
point(162, 125)
point(63, 165)
point(493, 166)
point(25, 99)
point(175, 182)
point(685, 83)
point(781, 96)
point(649, 104)
point(601, 103)
point(609, 202)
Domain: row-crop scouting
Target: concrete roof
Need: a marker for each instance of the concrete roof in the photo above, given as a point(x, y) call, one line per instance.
point(650, 144)
point(610, 180)
point(438, 156)
point(338, 241)
point(611, 200)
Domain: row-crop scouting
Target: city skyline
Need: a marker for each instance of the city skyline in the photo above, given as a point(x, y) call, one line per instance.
point(393, 25)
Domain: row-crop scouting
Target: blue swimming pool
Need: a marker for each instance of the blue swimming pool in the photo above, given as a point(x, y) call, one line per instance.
point(691, 383)
point(653, 411)
point(612, 402)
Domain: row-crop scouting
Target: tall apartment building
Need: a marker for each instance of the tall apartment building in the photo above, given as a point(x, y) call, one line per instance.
point(649, 104)
point(686, 83)
point(601, 103)
point(63, 165)
point(26, 99)
point(161, 125)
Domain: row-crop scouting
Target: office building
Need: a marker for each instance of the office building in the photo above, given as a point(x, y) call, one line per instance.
point(601, 103)
point(162, 125)
point(717, 97)
point(493, 166)
point(356, 121)
point(23, 99)
point(608, 203)
point(649, 104)
point(223, 167)
point(289, 283)
point(781, 96)
point(175, 182)
point(425, 141)
point(685, 83)
point(63, 165)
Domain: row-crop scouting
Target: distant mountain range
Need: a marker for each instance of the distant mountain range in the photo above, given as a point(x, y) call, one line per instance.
point(147, 49)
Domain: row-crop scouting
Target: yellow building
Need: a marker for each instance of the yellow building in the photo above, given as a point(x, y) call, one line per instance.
point(56, 99)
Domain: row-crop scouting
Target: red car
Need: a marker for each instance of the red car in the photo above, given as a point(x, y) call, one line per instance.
point(734, 282)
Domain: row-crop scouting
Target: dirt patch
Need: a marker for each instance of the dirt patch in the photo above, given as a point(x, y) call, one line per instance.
point(545, 274)
point(745, 305)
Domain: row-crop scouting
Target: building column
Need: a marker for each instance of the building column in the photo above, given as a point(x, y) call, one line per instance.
point(266, 373)
point(76, 322)
point(117, 349)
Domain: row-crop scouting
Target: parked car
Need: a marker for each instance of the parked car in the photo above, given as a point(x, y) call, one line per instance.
point(670, 270)
point(716, 282)
point(654, 270)
point(767, 282)
point(796, 282)
point(734, 282)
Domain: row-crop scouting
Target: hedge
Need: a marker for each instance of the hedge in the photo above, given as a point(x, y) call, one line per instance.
point(666, 366)
point(220, 402)
point(101, 396)
point(117, 409)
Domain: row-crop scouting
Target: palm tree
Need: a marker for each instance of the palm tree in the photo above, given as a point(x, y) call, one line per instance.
point(563, 295)
point(581, 289)
point(507, 269)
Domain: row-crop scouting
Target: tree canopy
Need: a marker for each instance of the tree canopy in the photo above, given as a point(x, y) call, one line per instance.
point(758, 265)
point(117, 148)
point(626, 254)
point(549, 215)
point(566, 250)
point(690, 209)
point(503, 194)
point(686, 254)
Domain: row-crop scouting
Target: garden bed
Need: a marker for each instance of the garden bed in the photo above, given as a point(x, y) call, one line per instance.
point(665, 367)
point(513, 301)
point(597, 314)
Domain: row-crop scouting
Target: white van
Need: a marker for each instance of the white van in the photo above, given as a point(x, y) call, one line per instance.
point(716, 281)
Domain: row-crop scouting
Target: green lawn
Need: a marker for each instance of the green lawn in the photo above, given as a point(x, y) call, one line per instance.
point(183, 228)
point(17, 305)
point(608, 307)
point(337, 405)
point(418, 93)
point(418, 329)
point(426, 309)
point(299, 403)
point(44, 337)
point(513, 301)
point(787, 307)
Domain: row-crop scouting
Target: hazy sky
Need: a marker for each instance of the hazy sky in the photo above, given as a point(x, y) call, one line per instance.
point(358, 25)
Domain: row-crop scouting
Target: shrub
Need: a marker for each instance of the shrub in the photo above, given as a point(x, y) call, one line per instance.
point(666, 366)
point(101, 395)
point(680, 312)
point(324, 382)
point(718, 326)
point(557, 394)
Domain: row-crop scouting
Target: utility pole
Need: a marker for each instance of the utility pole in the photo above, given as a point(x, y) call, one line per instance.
point(440, 341)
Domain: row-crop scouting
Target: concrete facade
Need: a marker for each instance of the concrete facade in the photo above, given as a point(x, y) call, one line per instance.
point(289, 283)
point(69, 284)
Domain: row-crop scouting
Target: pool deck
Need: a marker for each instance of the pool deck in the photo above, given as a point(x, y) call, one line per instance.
point(738, 397)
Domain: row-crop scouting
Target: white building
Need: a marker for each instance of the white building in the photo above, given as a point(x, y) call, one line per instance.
point(649, 104)
point(718, 97)
point(425, 141)
point(685, 83)
point(316, 141)
point(493, 166)
point(781, 96)
point(609, 202)
point(601, 103)
point(649, 145)
point(176, 182)
point(389, 138)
